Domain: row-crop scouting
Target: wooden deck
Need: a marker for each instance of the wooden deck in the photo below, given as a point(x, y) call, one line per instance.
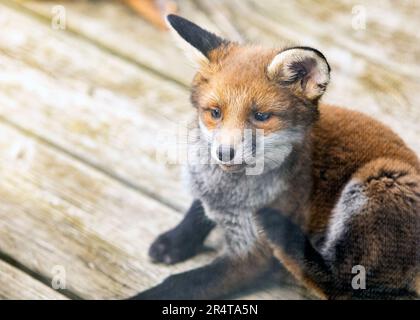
point(82, 191)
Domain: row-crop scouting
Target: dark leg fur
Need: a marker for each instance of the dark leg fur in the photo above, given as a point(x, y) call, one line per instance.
point(224, 276)
point(293, 248)
point(380, 218)
point(185, 240)
point(295, 251)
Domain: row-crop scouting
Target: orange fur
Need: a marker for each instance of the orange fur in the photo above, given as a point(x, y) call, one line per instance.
point(342, 140)
point(238, 91)
point(344, 190)
point(341, 144)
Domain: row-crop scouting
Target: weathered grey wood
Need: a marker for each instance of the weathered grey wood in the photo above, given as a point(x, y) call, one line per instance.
point(300, 21)
point(141, 40)
point(130, 36)
point(94, 105)
point(102, 105)
point(364, 76)
point(382, 83)
point(388, 38)
point(17, 285)
point(73, 115)
point(55, 211)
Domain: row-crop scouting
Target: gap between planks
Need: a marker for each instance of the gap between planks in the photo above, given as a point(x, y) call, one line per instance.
point(15, 284)
point(46, 19)
point(16, 280)
point(103, 129)
point(99, 234)
point(376, 87)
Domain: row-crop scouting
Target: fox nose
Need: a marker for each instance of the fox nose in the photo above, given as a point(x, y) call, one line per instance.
point(225, 153)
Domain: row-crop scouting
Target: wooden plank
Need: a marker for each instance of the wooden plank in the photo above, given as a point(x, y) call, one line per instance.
point(97, 107)
point(56, 211)
point(72, 201)
point(17, 285)
point(361, 79)
point(301, 21)
point(97, 126)
point(140, 43)
point(382, 83)
point(116, 28)
point(386, 96)
point(388, 37)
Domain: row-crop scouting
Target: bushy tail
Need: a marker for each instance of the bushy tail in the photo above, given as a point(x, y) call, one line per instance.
point(295, 251)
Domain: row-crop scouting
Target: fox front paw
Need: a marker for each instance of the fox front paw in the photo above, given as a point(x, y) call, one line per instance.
point(172, 247)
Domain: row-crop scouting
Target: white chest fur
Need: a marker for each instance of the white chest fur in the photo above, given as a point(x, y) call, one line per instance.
point(232, 199)
point(240, 229)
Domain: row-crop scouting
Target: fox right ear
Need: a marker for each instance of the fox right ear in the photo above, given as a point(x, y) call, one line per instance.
point(201, 42)
point(303, 69)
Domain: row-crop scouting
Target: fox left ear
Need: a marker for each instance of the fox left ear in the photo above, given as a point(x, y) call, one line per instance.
point(305, 70)
point(201, 42)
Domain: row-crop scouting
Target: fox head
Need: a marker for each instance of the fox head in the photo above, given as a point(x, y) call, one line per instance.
point(246, 88)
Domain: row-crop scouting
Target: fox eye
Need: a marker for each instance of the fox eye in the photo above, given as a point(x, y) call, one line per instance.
point(262, 116)
point(216, 113)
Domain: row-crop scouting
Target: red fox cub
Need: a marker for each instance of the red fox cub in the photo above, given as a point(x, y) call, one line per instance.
point(335, 192)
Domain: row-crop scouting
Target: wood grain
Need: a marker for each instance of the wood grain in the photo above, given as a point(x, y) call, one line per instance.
point(365, 76)
point(100, 109)
point(89, 117)
point(17, 285)
point(56, 211)
point(375, 69)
